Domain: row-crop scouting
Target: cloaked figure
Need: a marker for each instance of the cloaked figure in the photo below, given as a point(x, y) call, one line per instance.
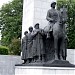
point(29, 45)
point(24, 47)
point(38, 45)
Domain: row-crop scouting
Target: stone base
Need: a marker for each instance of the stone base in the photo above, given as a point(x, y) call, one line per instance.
point(33, 70)
point(53, 63)
point(59, 63)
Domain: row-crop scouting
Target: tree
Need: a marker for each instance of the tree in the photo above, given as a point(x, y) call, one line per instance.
point(71, 20)
point(11, 21)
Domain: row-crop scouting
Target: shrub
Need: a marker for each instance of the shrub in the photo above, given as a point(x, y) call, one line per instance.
point(4, 50)
point(15, 46)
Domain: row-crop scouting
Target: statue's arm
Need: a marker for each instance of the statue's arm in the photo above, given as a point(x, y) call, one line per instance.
point(34, 34)
point(42, 32)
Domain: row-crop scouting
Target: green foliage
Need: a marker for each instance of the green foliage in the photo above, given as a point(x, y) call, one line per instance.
point(71, 20)
point(11, 21)
point(15, 47)
point(4, 50)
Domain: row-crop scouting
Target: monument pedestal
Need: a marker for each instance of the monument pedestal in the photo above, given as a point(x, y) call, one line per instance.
point(36, 70)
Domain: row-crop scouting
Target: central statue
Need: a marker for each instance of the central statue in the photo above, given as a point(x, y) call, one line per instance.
point(56, 26)
point(47, 46)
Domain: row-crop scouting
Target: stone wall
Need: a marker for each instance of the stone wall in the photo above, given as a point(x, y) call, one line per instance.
point(7, 64)
point(71, 55)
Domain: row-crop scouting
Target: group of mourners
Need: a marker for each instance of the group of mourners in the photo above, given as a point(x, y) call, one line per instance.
point(32, 45)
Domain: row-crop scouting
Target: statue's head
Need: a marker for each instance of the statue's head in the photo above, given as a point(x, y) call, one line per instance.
point(26, 32)
point(63, 6)
point(30, 28)
point(36, 26)
point(53, 4)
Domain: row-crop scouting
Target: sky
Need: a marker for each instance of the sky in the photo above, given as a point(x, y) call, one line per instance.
point(4, 1)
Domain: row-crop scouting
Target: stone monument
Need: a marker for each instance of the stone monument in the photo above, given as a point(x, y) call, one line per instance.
point(46, 47)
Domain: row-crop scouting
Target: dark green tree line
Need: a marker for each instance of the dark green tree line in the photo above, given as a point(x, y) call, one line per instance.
point(70, 4)
point(11, 21)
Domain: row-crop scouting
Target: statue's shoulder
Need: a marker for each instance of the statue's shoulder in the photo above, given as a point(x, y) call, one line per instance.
point(41, 29)
point(34, 30)
point(28, 35)
point(49, 10)
point(24, 38)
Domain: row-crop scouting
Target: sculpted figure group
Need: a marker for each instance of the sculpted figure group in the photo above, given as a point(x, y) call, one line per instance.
point(32, 45)
point(36, 42)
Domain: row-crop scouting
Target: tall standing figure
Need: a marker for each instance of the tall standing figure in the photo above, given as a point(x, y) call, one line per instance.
point(24, 47)
point(29, 44)
point(38, 45)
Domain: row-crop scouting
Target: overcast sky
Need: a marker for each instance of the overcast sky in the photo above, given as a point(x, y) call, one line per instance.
point(4, 1)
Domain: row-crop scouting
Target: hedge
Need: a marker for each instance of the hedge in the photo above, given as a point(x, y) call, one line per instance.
point(4, 50)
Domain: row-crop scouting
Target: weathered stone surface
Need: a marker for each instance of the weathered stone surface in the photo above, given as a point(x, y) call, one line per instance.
point(28, 70)
point(7, 64)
